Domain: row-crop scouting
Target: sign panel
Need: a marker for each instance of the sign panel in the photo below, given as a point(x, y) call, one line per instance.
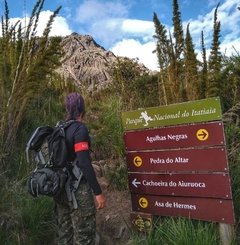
point(202, 159)
point(187, 112)
point(205, 134)
point(208, 209)
point(195, 185)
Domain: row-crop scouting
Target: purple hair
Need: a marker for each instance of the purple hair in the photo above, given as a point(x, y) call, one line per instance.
point(74, 105)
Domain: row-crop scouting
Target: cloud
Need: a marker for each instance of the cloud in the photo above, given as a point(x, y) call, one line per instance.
point(231, 48)
point(134, 49)
point(139, 28)
point(60, 26)
point(94, 10)
point(102, 20)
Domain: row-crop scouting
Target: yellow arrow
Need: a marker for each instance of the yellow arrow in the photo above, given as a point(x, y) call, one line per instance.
point(202, 134)
point(137, 161)
point(143, 202)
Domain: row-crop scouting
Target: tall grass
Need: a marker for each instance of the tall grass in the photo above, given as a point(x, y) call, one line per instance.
point(107, 132)
point(37, 218)
point(179, 231)
point(24, 220)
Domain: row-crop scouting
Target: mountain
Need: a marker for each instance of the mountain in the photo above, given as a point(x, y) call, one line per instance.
point(86, 62)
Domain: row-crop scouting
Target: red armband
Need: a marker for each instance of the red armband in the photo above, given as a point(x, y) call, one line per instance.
point(81, 146)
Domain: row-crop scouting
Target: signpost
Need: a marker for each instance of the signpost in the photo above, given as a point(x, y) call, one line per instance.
point(187, 112)
point(208, 209)
point(177, 161)
point(190, 159)
point(183, 136)
point(195, 185)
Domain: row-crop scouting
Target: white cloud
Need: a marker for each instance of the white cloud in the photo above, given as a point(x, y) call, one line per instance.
point(138, 27)
point(231, 48)
point(229, 16)
point(108, 31)
point(134, 49)
point(59, 27)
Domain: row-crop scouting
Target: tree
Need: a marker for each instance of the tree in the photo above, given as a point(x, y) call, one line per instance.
point(177, 63)
point(133, 85)
point(204, 72)
point(230, 81)
point(215, 59)
point(163, 50)
point(191, 68)
point(177, 31)
point(170, 55)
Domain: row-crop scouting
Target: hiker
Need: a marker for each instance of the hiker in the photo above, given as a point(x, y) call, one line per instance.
point(78, 226)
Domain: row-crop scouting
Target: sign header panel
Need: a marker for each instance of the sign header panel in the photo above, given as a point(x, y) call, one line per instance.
point(183, 136)
point(199, 159)
point(193, 185)
point(207, 209)
point(174, 114)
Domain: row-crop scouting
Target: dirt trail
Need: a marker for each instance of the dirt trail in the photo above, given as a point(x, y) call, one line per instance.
point(113, 221)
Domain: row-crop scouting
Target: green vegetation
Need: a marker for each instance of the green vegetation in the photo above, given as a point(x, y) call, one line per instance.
point(31, 94)
point(179, 231)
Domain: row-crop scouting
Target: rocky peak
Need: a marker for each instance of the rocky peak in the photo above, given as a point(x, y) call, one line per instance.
point(86, 62)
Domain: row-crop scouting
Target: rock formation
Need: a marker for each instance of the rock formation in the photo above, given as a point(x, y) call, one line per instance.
point(86, 62)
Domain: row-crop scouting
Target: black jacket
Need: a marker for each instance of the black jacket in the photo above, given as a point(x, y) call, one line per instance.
point(78, 143)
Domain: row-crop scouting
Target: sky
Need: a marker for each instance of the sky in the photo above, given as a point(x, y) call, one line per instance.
point(126, 27)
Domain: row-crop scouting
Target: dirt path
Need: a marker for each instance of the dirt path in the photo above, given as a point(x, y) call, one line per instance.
point(113, 221)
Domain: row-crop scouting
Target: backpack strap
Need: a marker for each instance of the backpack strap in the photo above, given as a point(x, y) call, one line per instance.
point(29, 144)
point(65, 124)
point(72, 183)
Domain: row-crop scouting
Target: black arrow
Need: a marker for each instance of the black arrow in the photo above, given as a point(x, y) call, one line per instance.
point(203, 134)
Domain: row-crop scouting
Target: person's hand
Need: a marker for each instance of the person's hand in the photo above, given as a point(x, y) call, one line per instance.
point(100, 199)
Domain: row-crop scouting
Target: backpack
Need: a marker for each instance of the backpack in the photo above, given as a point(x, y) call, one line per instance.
point(47, 145)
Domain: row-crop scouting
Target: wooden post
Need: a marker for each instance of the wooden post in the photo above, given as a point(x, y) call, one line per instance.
point(226, 233)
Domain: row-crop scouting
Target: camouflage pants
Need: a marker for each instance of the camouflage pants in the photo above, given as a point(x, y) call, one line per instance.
point(77, 226)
